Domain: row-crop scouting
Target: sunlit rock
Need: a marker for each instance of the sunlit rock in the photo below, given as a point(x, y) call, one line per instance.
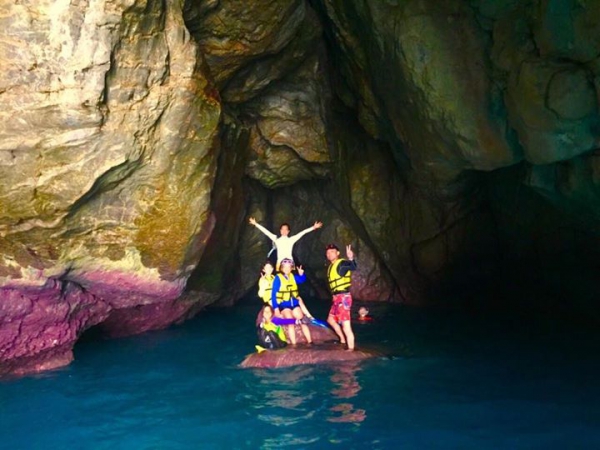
point(232, 34)
point(108, 156)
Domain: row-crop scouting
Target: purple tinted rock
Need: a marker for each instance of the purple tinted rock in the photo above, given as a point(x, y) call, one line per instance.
point(137, 319)
point(315, 354)
point(124, 290)
point(39, 325)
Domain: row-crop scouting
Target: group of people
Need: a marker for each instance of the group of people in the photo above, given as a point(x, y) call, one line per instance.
point(280, 294)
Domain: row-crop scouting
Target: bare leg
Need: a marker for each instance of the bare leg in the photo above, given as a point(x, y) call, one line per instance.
point(304, 308)
point(292, 333)
point(291, 329)
point(298, 314)
point(306, 332)
point(347, 326)
point(331, 321)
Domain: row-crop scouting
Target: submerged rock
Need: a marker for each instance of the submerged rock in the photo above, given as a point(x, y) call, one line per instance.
point(315, 354)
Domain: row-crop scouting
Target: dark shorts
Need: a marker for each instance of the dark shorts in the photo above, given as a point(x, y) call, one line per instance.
point(340, 309)
point(290, 304)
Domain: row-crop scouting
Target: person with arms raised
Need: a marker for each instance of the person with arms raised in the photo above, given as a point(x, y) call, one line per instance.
point(284, 243)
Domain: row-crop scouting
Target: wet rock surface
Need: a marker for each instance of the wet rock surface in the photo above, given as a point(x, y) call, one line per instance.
point(315, 354)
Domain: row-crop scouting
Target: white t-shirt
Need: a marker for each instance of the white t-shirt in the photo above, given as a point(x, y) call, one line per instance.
point(284, 244)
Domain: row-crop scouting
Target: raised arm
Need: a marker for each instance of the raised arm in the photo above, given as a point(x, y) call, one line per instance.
point(270, 235)
point(347, 264)
point(297, 237)
point(301, 277)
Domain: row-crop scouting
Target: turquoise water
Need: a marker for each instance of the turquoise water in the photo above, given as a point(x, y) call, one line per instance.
point(455, 381)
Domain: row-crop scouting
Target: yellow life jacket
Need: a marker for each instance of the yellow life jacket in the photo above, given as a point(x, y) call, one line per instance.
point(277, 329)
point(338, 283)
point(265, 286)
point(288, 288)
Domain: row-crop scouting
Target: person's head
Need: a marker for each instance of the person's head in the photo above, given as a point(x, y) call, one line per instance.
point(268, 313)
point(332, 252)
point(286, 265)
point(284, 229)
point(363, 312)
point(268, 268)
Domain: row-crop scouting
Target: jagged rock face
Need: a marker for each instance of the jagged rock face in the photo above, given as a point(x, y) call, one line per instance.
point(108, 155)
point(416, 73)
point(288, 138)
point(459, 89)
point(441, 139)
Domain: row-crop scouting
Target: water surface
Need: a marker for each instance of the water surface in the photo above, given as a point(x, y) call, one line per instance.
point(453, 381)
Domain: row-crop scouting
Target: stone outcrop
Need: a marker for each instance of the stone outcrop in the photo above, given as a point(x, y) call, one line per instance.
point(316, 354)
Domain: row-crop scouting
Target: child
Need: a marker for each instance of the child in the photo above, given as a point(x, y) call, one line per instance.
point(270, 336)
point(363, 314)
point(265, 283)
point(285, 298)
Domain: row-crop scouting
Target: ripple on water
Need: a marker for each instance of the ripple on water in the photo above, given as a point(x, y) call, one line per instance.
point(455, 383)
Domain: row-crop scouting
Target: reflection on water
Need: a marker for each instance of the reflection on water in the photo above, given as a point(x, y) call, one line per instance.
point(302, 395)
point(288, 439)
point(282, 398)
point(287, 389)
point(346, 387)
point(468, 385)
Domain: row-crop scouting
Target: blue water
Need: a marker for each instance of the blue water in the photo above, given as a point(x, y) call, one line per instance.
point(455, 382)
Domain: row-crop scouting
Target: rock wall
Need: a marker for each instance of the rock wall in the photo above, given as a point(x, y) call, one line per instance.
point(108, 154)
point(490, 110)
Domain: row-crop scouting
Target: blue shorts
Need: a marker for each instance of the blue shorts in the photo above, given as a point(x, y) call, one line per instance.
point(290, 304)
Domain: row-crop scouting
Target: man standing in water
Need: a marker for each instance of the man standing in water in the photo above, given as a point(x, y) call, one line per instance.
point(285, 242)
point(339, 275)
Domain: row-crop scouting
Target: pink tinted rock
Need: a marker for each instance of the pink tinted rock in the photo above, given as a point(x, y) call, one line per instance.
point(123, 290)
point(39, 325)
point(315, 354)
point(139, 318)
point(52, 358)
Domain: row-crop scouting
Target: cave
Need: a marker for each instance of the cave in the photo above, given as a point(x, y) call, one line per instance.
point(455, 145)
